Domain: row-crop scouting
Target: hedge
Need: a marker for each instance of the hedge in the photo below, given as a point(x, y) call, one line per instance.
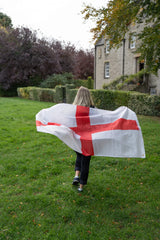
point(38, 94)
point(89, 83)
point(107, 99)
point(140, 103)
point(144, 104)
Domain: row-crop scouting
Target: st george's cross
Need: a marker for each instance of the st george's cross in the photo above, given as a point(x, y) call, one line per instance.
point(92, 131)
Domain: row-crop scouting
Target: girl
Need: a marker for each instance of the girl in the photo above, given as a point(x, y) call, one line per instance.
point(82, 98)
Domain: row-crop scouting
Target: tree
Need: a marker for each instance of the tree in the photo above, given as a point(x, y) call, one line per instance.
point(84, 64)
point(115, 19)
point(67, 57)
point(24, 59)
point(5, 21)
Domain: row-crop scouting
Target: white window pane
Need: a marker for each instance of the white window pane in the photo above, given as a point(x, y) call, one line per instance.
point(106, 70)
point(107, 46)
point(133, 42)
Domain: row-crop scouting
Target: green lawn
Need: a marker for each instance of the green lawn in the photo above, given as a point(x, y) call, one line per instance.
point(38, 201)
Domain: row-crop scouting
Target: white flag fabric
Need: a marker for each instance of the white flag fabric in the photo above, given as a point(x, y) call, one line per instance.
point(93, 131)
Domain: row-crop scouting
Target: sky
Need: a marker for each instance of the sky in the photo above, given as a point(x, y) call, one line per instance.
point(53, 19)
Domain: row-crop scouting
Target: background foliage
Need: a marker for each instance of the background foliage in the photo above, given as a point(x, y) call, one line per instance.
point(5, 21)
point(26, 60)
point(140, 103)
point(57, 79)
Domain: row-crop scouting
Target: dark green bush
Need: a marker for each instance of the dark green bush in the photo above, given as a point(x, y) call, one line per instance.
point(34, 93)
point(90, 83)
point(140, 103)
point(66, 78)
point(59, 94)
point(144, 104)
point(70, 93)
point(47, 95)
point(103, 99)
point(79, 82)
point(57, 79)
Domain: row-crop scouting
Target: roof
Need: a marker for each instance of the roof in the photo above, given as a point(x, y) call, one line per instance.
point(100, 42)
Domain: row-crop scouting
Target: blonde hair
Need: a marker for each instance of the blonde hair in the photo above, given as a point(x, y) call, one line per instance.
point(83, 97)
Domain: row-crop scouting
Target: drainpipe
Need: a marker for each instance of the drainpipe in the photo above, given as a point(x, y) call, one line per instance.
point(123, 63)
point(95, 59)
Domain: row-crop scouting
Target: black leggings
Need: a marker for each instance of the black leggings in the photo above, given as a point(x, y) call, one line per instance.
point(82, 165)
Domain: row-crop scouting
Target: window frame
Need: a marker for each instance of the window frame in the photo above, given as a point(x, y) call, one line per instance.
point(107, 46)
point(106, 71)
point(132, 42)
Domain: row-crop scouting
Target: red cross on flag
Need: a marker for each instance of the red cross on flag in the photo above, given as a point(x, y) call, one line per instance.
point(93, 131)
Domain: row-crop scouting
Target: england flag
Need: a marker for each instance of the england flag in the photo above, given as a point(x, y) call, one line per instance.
point(93, 131)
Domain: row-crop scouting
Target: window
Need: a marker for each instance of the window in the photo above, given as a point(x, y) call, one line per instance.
point(106, 70)
point(107, 46)
point(132, 43)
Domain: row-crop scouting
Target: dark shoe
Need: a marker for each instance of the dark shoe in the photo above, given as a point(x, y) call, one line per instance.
point(75, 181)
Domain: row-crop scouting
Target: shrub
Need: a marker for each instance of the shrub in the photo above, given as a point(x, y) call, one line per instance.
point(103, 99)
point(113, 85)
point(59, 94)
point(80, 82)
point(144, 104)
point(70, 93)
point(118, 83)
point(47, 95)
point(38, 94)
point(90, 83)
point(23, 92)
point(140, 103)
point(57, 79)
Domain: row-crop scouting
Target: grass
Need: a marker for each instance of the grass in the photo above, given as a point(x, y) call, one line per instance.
point(38, 202)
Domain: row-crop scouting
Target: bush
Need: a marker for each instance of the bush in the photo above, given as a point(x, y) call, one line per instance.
point(85, 83)
point(90, 83)
point(70, 93)
point(113, 85)
point(119, 83)
point(66, 78)
point(144, 104)
point(80, 82)
point(23, 92)
point(38, 94)
point(57, 79)
point(47, 95)
point(140, 103)
point(60, 95)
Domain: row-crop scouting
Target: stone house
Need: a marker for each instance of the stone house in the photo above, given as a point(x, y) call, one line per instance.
point(111, 64)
